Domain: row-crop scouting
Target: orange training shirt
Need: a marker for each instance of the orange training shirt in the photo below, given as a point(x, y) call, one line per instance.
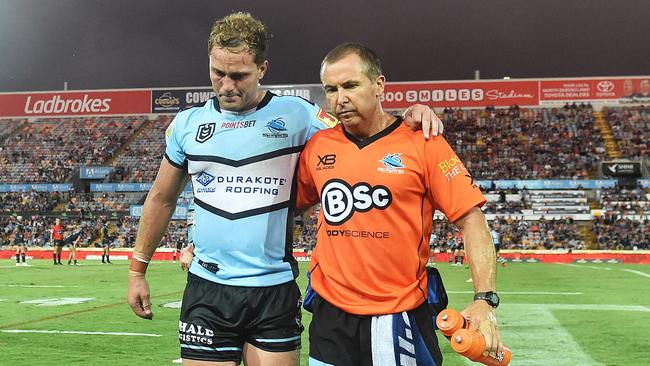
point(57, 232)
point(377, 201)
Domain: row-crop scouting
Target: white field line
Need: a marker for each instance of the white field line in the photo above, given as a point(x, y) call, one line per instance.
point(80, 332)
point(538, 338)
point(585, 266)
point(37, 286)
point(523, 293)
point(644, 274)
point(636, 272)
point(605, 307)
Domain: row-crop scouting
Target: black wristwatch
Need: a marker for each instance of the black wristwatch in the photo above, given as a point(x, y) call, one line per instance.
point(490, 297)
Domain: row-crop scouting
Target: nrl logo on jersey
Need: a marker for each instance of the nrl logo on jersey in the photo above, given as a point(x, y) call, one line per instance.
point(277, 128)
point(205, 131)
point(392, 164)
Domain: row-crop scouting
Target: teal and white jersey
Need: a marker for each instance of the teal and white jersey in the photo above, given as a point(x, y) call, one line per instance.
point(243, 168)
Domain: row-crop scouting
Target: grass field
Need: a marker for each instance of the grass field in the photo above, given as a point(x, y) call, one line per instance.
point(551, 314)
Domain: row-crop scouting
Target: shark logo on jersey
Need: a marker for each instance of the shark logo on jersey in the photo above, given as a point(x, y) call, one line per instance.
point(392, 164)
point(277, 127)
point(205, 179)
point(205, 131)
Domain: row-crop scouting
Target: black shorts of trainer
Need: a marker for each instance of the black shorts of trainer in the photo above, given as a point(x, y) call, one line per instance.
point(217, 320)
point(59, 243)
point(343, 339)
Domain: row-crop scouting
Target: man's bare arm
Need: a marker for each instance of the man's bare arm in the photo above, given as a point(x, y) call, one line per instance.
point(482, 262)
point(158, 209)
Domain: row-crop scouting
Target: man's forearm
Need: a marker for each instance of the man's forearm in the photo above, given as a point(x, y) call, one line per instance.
point(156, 213)
point(480, 251)
point(158, 209)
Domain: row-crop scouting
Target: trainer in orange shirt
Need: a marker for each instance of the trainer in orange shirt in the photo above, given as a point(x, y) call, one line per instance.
point(378, 184)
point(56, 238)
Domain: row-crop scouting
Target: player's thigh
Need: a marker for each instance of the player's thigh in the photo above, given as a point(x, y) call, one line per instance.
point(275, 323)
point(211, 322)
point(187, 362)
point(254, 356)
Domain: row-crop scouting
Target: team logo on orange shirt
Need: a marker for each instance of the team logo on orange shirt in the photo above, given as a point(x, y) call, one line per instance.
point(392, 163)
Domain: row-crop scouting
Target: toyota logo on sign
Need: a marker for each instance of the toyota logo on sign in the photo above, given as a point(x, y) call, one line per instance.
point(605, 86)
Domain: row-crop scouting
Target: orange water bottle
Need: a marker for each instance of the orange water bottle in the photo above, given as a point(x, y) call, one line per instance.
point(455, 326)
point(450, 320)
point(472, 345)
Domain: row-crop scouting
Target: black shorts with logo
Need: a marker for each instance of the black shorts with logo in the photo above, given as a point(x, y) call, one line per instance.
point(217, 320)
point(58, 242)
point(343, 339)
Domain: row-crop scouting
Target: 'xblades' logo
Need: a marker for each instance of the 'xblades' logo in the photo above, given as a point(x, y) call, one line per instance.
point(326, 162)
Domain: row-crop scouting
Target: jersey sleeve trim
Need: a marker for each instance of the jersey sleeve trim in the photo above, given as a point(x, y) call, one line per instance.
point(182, 166)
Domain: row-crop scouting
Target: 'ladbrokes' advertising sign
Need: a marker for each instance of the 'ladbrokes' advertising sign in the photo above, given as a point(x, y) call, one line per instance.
point(75, 103)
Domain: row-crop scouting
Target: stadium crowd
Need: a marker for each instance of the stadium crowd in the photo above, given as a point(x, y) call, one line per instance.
point(149, 146)
point(122, 231)
point(507, 143)
point(625, 201)
point(631, 127)
point(518, 234)
point(103, 201)
point(50, 150)
point(30, 201)
point(521, 143)
point(614, 232)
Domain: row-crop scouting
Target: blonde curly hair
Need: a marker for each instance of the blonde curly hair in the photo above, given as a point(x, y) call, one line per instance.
point(240, 32)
